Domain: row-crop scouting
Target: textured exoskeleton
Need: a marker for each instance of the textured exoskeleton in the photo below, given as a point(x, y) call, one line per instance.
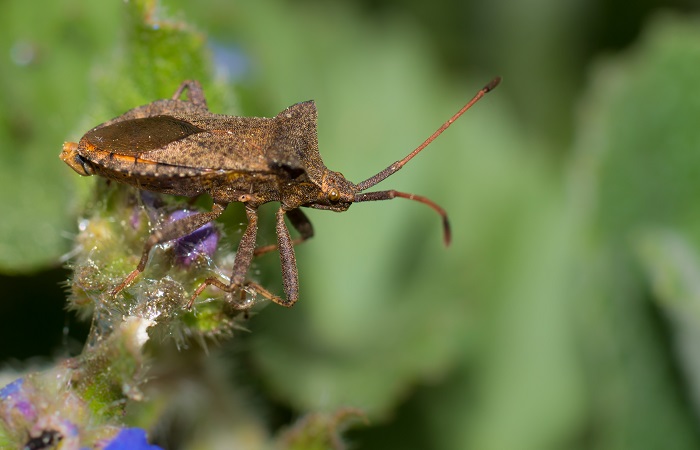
point(179, 147)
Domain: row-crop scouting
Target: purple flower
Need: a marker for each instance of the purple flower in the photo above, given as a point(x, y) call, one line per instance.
point(131, 439)
point(43, 428)
point(15, 399)
point(202, 241)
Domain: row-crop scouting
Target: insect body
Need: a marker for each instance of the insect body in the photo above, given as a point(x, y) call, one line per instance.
point(180, 147)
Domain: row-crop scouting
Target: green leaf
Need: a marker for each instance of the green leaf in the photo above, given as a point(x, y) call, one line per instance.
point(638, 162)
point(641, 122)
point(673, 266)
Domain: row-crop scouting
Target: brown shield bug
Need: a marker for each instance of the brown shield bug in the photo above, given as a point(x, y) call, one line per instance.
point(179, 147)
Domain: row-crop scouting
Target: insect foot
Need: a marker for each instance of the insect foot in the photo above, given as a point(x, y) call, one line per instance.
point(178, 147)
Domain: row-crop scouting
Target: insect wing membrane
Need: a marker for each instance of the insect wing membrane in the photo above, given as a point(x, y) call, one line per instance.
point(136, 136)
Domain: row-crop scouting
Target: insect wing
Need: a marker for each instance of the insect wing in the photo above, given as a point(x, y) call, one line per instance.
point(137, 136)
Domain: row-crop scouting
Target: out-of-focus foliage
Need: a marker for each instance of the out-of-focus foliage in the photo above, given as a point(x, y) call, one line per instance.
point(47, 62)
point(637, 168)
point(564, 314)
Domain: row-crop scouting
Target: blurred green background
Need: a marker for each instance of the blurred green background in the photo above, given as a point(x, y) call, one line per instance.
point(566, 313)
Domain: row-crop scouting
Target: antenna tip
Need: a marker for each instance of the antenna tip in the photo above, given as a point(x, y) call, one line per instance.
point(492, 85)
point(447, 231)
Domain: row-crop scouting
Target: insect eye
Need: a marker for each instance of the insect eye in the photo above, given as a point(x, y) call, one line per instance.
point(333, 195)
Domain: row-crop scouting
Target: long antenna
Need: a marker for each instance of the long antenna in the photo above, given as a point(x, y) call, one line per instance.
point(388, 195)
point(368, 183)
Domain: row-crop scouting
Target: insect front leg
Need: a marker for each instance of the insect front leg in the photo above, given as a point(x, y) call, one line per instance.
point(168, 232)
point(300, 223)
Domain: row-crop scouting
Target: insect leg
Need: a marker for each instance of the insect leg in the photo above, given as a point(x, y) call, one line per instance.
point(195, 93)
point(244, 256)
point(227, 288)
point(300, 223)
point(290, 276)
point(167, 233)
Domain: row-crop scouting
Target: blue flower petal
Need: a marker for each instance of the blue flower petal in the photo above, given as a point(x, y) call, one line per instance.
point(131, 439)
point(11, 388)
